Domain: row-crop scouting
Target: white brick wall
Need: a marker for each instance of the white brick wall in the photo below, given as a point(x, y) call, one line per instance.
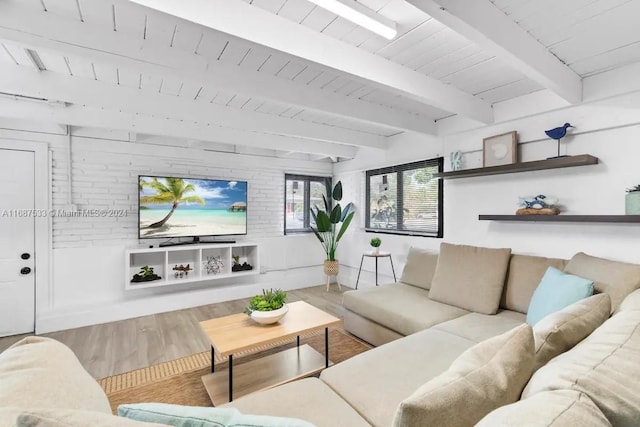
point(105, 176)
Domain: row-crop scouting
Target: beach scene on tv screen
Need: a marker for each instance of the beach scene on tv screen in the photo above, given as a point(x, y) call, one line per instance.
point(184, 207)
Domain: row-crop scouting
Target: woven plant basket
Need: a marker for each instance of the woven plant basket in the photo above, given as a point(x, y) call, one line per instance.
point(331, 268)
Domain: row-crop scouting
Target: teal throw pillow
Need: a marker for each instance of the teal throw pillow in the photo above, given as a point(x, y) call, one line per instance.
point(556, 291)
point(196, 416)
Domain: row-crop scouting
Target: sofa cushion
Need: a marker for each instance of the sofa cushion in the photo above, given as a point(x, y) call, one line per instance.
point(556, 291)
point(470, 277)
point(376, 381)
point(419, 268)
point(75, 418)
point(631, 302)
point(191, 416)
point(43, 373)
point(560, 408)
point(402, 308)
point(618, 279)
point(562, 330)
point(524, 276)
point(308, 399)
point(485, 377)
point(479, 327)
point(605, 366)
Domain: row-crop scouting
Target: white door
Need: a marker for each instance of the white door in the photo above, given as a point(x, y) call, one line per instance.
point(17, 242)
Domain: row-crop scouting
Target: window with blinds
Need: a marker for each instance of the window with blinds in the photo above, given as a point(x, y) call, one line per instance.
point(405, 199)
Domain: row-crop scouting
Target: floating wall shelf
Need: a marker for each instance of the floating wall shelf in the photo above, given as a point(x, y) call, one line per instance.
point(560, 162)
point(563, 218)
point(164, 259)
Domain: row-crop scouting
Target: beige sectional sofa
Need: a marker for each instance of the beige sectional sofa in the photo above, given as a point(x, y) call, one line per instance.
point(419, 338)
point(424, 346)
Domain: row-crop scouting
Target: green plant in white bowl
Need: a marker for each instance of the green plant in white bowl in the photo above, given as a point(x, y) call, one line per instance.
point(269, 307)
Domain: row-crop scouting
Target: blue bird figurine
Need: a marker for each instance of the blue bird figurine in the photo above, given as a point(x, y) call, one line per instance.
point(558, 134)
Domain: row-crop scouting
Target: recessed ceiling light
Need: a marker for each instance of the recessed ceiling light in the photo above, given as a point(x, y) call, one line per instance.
point(361, 15)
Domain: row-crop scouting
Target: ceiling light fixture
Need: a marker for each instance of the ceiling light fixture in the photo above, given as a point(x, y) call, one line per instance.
point(35, 59)
point(361, 15)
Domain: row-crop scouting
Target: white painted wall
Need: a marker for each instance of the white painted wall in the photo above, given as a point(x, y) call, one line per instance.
point(88, 253)
point(608, 129)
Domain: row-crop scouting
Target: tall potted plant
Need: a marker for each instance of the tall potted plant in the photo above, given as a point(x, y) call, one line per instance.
point(331, 223)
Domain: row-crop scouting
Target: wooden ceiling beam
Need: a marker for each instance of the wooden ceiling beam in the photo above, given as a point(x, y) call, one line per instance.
point(78, 115)
point(40, 29)
point(259, 26)
point(77, 90)
point(483, 23)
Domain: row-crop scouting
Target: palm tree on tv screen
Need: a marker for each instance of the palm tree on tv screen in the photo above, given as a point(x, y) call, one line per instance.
point(173, 191)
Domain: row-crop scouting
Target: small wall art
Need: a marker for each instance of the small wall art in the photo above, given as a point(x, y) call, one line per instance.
point(500, 149)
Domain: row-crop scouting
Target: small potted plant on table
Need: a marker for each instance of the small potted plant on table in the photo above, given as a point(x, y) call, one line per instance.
point(269, 307)
point(375, 244)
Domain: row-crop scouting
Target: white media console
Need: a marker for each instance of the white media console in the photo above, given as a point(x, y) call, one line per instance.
point(164, 260)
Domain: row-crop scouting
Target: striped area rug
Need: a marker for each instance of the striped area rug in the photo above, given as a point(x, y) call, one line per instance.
point(178, 381)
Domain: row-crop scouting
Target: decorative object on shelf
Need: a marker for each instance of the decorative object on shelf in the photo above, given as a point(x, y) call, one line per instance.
point(375, 244)
point(181, 271)
point(455, 160)
point(500, 149)
point(538, 205)
point(331, 224)
point(214, 264)
point(146, 275)
point(241, 267)
point(632, 201)
point(269, 307)
point(557, 134)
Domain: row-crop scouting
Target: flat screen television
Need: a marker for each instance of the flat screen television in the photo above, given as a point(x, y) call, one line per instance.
point(170, 207)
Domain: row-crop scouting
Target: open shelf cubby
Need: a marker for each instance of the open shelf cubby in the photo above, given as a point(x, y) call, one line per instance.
point(217, 256)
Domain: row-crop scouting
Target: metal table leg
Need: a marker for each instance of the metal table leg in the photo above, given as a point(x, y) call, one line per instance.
point(298, 340)
point(230, 377)
point(326, 347)
point(359, 271)
point(376, 271)
point(213, 360)
point(393, 269)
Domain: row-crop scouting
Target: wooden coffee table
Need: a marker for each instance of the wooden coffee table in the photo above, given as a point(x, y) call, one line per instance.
point(238, 333)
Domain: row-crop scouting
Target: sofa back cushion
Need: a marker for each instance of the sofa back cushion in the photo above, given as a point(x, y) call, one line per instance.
point(525, 273)
point(419, 268)
point(561, 331)
point(556, 291)
point(605, 366)
point(470, 277)
point(486, 376)
point(618, 279)
point(560, 408)
point(44, 373)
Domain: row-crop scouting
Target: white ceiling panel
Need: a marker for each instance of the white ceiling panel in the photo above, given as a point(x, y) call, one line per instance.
point(590, 36)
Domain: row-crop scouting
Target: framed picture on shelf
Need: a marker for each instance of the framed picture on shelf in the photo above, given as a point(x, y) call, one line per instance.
point(500, 149)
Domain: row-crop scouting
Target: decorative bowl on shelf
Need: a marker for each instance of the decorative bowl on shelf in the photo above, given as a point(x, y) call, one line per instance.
point(269, 317)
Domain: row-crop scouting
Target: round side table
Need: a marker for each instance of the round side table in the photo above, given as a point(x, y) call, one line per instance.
point(376, 255)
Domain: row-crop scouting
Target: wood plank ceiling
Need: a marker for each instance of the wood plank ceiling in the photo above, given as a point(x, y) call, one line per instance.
point(313, 108)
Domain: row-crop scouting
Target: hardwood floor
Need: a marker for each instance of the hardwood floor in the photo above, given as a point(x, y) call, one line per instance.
point(113, 348)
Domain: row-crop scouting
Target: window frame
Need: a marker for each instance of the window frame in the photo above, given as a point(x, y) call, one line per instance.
point(398, 169)
point(325, 180)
